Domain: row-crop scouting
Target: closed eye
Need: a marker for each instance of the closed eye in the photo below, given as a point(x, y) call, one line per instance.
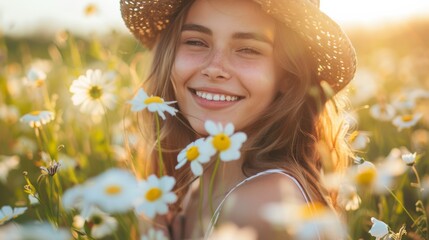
point(248, 50)
point(197, 43)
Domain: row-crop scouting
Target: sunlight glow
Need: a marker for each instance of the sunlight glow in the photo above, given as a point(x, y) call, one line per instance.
point(373, 12)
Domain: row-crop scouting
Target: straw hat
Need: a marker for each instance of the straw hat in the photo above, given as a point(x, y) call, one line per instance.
point(328, 44)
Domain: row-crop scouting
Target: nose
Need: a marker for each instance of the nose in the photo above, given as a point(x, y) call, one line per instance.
point(214, 69)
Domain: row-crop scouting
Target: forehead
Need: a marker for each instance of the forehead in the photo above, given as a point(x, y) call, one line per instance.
point(226, 14)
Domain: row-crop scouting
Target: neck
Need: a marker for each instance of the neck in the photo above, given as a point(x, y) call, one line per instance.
point(227, 175)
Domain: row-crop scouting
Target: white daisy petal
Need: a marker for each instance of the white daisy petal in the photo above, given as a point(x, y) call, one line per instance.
point(167, 183)
point(230, 155)
point(229, 129)
point(180, 164)
point(211, 127)
point(196, 168)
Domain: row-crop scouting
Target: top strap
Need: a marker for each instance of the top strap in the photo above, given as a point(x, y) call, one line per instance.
point(216, 214)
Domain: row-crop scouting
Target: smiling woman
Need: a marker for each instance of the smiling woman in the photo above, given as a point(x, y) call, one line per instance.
point(254, 83)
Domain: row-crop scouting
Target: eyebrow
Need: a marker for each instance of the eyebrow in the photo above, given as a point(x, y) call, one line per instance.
point(196, 27)
point(237, 35)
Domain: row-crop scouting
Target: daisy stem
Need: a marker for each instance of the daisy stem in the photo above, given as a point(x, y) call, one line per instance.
point(107, 136)
point(400, 203)
point(200, 205)
point(44, 139)
point(39, 141)
point(51, 202)
point(418, 184)
point(54, 215)
point(158, 137)
point(212, 179)
point(46, 98)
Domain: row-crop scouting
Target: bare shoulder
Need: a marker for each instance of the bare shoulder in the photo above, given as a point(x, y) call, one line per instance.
point(246, 203)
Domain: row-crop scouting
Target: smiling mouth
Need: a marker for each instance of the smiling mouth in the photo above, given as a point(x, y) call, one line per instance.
point(216, 97)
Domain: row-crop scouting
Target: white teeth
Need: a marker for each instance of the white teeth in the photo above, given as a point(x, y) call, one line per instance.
point(216, 97)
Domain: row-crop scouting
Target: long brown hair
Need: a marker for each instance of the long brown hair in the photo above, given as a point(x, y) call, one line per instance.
point(287, 135)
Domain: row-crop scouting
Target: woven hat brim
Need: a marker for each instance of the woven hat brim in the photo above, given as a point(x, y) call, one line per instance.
point(327, 42)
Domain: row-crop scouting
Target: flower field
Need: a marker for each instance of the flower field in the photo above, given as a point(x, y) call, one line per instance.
point(69, 136)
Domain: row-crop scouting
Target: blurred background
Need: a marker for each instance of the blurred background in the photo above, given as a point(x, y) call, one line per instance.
point(64, 38)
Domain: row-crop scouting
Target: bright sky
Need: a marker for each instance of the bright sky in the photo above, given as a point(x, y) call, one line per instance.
point(36, 17)
point(372, 12)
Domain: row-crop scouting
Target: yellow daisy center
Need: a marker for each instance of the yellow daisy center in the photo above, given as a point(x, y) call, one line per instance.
point(154, 99)
point(407, 118)
point(39, 82)
point(95, 92)
point(192, 153)
point(309, 212)
point(35, 113)
point(90, 9)
point(353, 136)
point(153, 194)
point(221, 142)
point(113, 190)
point(366, 177)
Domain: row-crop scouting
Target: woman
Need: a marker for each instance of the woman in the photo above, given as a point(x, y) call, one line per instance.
point(270, 68)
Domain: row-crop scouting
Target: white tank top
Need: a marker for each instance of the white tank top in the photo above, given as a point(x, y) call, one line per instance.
point(216, 214)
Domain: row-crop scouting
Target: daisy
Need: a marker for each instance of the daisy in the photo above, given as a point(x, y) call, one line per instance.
point(196, 153)
point(94, 92)
point(157, 104)
point(404, 103)
point(382, 112)
point(100, 224)
point(154, 235)
point(113, 191)
point(91, 9)
point(368, 175)
point(37, 118)
point(393, 163)
point(36, 77)
point(156, 194)
point(309, 222)
point(409, 158)
point(225, 140)
point(406, 120)
point(7, 163)
point(73, 198)
point(7, 213)
point(358, 140)
point(379, 229)
point(35, 231)
point(348, 197)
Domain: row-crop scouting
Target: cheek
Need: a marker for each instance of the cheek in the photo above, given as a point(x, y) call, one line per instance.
point(186, 64)
point(261, 81)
